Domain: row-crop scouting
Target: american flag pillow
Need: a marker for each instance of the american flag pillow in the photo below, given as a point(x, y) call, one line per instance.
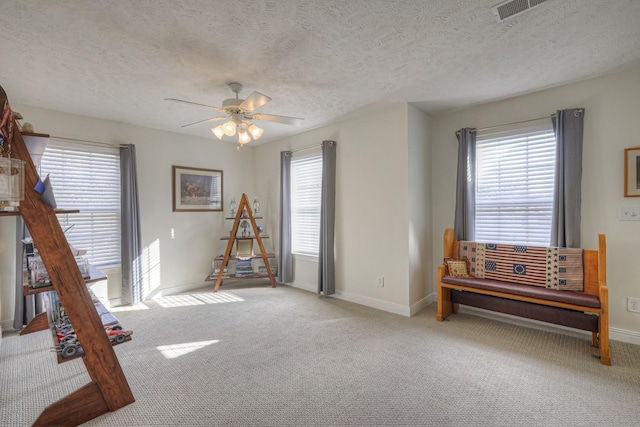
point(549, 267)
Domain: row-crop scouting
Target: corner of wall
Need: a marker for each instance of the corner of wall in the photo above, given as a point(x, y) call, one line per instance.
point(419, 200)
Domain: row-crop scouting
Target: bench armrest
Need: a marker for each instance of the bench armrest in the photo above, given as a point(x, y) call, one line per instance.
point(441, 272)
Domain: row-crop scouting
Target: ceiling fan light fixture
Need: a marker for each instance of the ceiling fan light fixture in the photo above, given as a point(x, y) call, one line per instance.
point(240, 112)
point(243, 137)
point(256, 131)
point(229, 128)
point(217, 131)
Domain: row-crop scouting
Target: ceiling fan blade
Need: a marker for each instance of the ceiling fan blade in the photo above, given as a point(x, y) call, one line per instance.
point(253, 101)
point(278, 119)
point(220, 110)
point(213, 119)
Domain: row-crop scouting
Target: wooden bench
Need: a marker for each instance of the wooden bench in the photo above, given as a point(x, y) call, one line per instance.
point(587, 310)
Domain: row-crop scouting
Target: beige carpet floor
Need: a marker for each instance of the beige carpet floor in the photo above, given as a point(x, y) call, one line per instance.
point(251, 355)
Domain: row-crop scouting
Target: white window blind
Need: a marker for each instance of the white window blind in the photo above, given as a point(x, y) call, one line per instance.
point(514, 187)
point(306, 188)
point(87, 178)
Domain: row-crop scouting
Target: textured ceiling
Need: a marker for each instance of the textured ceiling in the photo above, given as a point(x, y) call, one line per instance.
point(319, 60)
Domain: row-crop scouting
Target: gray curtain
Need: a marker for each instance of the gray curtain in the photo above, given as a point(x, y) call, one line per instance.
point(26, 307)
point(285, 263)
point(567, 198)
point(131, 239)
point(464, 220)
point(326, 261)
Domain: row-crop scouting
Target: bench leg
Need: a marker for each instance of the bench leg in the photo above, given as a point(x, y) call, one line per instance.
point(594, 339)
point(605, 358)
point(455, 306)
point(444, 303)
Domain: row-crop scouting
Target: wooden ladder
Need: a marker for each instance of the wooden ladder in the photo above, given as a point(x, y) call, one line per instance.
point(244, 205)
point(108, 389)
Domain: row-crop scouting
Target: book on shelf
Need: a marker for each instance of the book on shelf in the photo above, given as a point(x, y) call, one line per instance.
point(244, 268)
point(216, 272)
point(262, 270)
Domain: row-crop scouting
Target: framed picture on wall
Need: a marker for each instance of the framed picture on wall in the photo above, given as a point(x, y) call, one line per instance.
point(196, 189)
point(632, 172)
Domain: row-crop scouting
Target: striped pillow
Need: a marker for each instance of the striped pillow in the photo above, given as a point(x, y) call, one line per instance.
point(548, 267)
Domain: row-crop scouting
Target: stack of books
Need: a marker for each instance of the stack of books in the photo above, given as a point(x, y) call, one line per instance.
point(244, 268)
point(262, 270)
point(216, 271)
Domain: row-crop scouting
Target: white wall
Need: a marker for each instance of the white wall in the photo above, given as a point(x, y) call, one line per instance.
point(612, 104)
point(419, 209)
point(7, 266)
point(181, 259)
point(372, 203)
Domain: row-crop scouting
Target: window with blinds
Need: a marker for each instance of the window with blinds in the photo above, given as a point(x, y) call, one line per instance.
point(87, 178)
point(514, 187)
point(306, 191)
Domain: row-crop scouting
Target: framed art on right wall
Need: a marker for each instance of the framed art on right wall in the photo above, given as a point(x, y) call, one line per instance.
point(632, 172)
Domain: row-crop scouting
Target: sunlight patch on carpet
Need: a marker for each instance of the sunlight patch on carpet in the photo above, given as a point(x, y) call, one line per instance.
point(173, 351)
point(196, 299)
point(136, 307)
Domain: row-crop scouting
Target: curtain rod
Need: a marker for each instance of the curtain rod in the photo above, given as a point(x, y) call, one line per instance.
point(512, 123)
point(576, 113)
point(305, 148)
point(104, 144)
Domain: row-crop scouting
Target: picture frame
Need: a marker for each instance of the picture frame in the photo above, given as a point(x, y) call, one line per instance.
point(632, 172)
point(197, 189)
point(244, 247)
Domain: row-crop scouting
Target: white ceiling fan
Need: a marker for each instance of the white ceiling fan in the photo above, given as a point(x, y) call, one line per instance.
point(240, 114)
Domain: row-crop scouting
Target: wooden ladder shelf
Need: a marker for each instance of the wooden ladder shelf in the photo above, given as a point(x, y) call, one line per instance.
point(108, 389)
point(242, 207)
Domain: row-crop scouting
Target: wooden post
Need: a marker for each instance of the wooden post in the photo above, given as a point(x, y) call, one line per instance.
point(603, 327)
point(445, 306)
point(100, 359)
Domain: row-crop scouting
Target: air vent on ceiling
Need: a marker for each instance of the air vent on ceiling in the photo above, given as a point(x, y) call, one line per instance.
point(512, 8)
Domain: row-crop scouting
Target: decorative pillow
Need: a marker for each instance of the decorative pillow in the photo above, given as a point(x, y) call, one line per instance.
point(457, 268)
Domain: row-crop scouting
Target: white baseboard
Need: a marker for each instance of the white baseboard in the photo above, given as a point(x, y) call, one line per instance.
point(7, 325)
point(359, 299)
point(615, 334)
point(415, 308)
point(631, 337)
point(304, 286)
point(391, 307)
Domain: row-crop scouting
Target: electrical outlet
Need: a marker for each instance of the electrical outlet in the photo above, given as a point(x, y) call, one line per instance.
point(633, 305)
point(630, 213)
point(381, 282)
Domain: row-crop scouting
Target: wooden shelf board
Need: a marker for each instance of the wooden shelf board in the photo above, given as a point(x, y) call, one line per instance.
point(57, 211)
point(244, 217)
point(80, 352)
point(39, 135)
point(95, 275)
point(262, 236)
point(235, 258)
point(233, 277)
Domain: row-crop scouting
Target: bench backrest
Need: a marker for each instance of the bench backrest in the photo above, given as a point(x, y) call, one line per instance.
point(594, 262)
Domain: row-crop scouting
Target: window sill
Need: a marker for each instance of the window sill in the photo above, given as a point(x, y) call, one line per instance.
point(303, 257)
